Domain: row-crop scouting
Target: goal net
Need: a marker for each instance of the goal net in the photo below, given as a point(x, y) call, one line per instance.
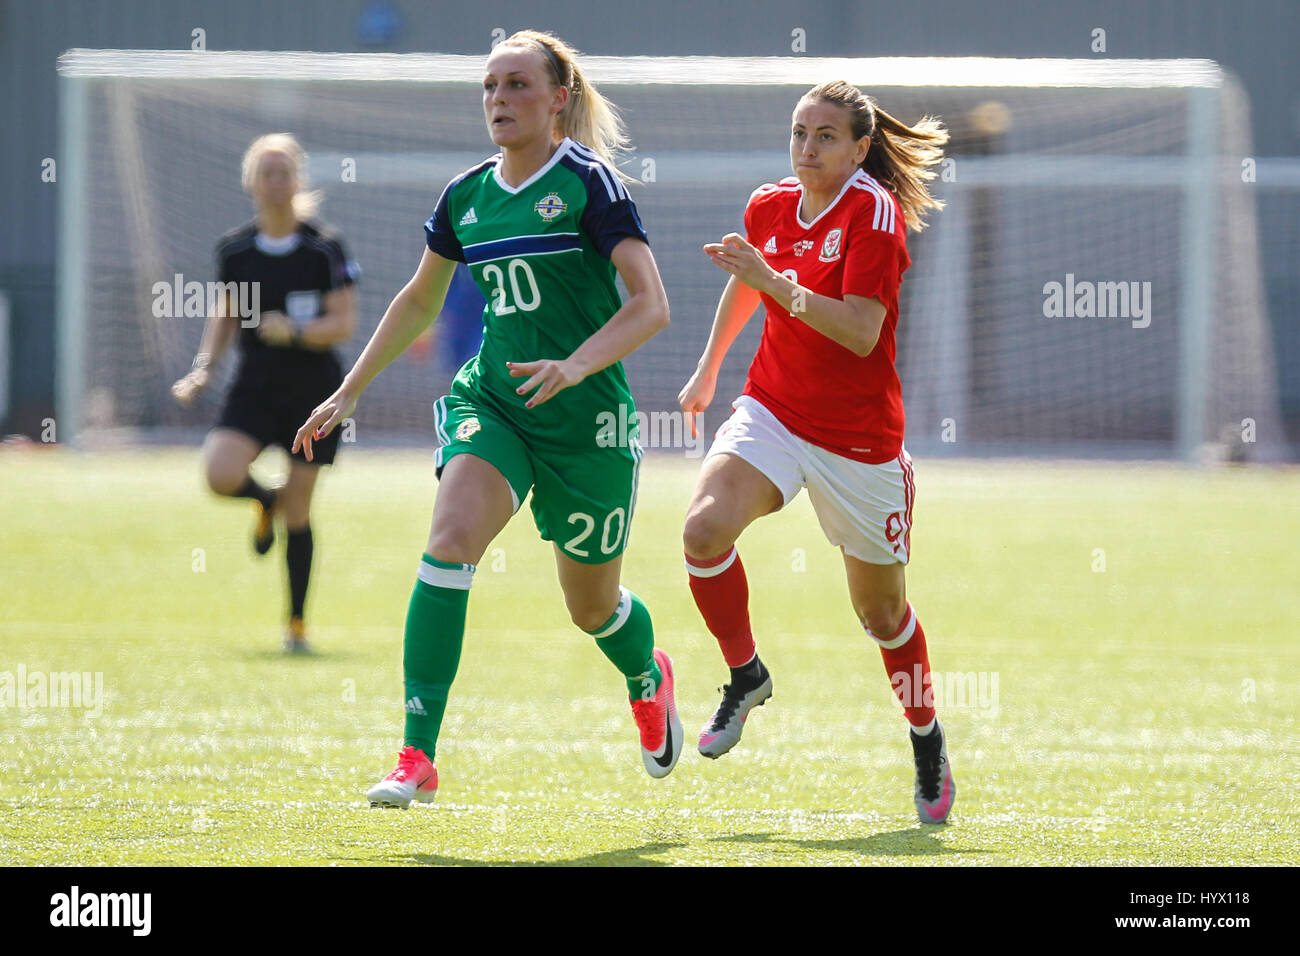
point(1093, 286)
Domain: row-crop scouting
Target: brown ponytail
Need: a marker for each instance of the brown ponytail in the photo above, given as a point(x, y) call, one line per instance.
point(587, 117)
point(899, 156)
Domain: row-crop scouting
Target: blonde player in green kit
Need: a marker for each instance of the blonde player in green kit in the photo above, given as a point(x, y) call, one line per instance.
point(543, 225)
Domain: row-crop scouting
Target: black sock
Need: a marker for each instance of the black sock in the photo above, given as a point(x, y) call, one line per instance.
point(298, 551)
point(751, 673)
point(251, 489)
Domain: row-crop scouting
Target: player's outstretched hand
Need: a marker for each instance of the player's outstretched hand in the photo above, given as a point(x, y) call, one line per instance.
point(742, 259)
point(324, 420)
point(186, 390)
point(548, 377)
point(695, 397)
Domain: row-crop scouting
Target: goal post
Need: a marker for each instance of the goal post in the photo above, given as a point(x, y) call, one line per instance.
point(1197, 275)
point(72, 263)
point(1094, 286)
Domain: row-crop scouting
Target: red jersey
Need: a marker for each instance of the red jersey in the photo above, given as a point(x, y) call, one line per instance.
point(818, 389)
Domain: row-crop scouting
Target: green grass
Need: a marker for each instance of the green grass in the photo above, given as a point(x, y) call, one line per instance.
point(1145, 714)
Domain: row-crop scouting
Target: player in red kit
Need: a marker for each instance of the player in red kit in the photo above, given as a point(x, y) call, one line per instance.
point(824, 252)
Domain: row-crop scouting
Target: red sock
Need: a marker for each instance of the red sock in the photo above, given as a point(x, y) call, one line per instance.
point(722, 595)
point(907, 662)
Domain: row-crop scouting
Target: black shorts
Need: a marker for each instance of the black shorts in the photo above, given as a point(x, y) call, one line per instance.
point(270, 410)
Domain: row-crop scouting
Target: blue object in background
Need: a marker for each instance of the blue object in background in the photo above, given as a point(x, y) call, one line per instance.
point(461, 320)
point(379, 24)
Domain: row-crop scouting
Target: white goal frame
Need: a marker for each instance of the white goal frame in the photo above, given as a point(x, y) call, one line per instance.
point(1196, 175)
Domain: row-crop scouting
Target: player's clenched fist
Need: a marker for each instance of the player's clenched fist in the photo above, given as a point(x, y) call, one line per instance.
point(186, 390)
point(695, 397)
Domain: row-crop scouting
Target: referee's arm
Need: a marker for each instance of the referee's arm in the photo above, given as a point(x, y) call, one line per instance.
point(336, 323)
point(218, 332)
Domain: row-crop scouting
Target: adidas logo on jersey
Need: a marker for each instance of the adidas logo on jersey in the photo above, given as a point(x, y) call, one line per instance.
point(416, 706)
point(469, 218)
point(771, 245)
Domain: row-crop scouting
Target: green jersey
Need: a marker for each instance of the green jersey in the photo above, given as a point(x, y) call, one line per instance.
point(540, 254)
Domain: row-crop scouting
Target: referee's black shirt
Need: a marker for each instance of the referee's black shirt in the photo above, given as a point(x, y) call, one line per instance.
point(294, 282)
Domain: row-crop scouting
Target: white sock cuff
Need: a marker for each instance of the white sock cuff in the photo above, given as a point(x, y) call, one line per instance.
point(459, 578)
point(904, 634)
point(928, 729)
point(714, 570)
point(621, 614)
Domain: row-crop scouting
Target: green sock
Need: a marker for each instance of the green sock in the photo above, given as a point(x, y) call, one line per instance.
point(435, 630)
point(628, 640)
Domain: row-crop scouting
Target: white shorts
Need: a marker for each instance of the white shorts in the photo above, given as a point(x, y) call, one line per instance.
point(865, 509)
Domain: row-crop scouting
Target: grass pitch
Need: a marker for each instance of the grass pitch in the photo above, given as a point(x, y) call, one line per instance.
point(1123, 639)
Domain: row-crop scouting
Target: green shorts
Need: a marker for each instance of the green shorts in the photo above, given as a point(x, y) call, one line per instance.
point(583, 499)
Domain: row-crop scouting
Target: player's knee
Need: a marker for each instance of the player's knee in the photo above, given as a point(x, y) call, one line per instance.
point(883, 615)
point(455, 544)
point(590, 615)
point(222, 479)
point(706, 535)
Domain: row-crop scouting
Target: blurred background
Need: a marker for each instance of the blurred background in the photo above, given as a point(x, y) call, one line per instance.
point(1094, 183)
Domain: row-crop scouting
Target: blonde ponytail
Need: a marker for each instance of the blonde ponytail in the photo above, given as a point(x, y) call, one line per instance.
point(587, 117)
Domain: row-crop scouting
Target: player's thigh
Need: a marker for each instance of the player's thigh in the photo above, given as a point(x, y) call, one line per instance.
point(295, 496)
point(878, 593)
point(227, 455)
point(730, 494)
point(484, 473)
point(752, 469)
point(866, 511)
point(474, 503)
point(864, 508)
point(465, 427)
point(590, 590)
point(584, 501)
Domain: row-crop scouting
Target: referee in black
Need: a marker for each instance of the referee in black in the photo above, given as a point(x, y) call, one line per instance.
point(288, 366)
